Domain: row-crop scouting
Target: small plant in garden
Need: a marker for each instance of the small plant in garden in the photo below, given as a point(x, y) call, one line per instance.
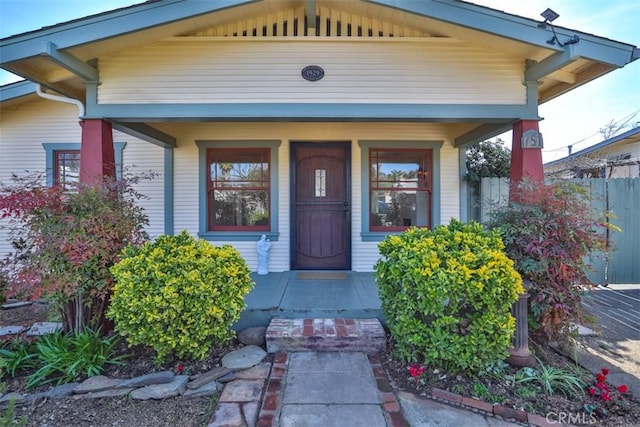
point(179, 295)
point(8, 418)
point(17, 355)
point(65, 242)
point(550, 231)
point(551, 380)
point(61, 357)
point(447, 295)
point(605, 398)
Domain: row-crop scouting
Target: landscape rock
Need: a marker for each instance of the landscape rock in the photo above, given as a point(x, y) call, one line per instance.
point(57, 392)
point(95, 384)
point(244, 358)
point(260, 371)
point(12, 330)
point(253, 336)
point(18, 304)
point(162, 377)
point(43, 328)
point(16, 397)
point(228, 415)
point(114, 392)
point(227, 378)
point(206, 390)
point(162, 391)
point(208, 377)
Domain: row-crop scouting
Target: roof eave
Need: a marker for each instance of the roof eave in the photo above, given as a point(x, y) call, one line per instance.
point(526, 30)
point(16, 90)
point(107, 25)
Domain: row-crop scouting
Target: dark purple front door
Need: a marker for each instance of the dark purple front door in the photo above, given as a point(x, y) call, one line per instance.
point(321, 207)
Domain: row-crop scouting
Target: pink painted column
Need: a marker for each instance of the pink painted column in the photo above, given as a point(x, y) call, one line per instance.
point(97, 158)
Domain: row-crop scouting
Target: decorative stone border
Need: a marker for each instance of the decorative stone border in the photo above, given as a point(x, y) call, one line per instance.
point(157, 385)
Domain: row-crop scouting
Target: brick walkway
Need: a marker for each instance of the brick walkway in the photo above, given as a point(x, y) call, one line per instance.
point(257, 397)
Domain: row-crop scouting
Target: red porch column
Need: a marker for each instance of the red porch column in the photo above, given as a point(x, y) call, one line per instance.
point(97, 158)
point(526, 155)
point(526, 164)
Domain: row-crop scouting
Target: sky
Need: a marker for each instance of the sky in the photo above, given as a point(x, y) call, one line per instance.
point(572, 119)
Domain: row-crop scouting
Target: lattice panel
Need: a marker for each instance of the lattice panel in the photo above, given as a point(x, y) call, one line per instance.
point(293, 23)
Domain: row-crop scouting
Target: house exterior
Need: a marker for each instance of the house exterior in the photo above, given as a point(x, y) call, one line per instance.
point(325, 125)
point(615, 157)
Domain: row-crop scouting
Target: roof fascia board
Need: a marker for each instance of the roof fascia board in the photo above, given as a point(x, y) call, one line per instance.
point(514, 27)
point(17, 90)
point(108, 25)
point(310, 112)
point(598, 146)
point(71, 63)
point(146, 133)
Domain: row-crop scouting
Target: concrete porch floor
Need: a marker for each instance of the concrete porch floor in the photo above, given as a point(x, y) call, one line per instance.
point(310, 294)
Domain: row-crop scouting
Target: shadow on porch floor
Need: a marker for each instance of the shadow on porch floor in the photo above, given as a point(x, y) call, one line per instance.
point(309, 294)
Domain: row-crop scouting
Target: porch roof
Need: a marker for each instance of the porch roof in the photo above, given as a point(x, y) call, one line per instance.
point(62, 57)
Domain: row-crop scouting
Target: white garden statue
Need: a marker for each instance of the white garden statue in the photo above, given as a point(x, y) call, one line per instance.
point(263, 247)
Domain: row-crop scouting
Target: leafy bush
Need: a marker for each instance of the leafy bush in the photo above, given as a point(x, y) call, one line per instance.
point(178, 295)
point(61, 357)
point(549, 233)
point(447, 295)
point(64, 243)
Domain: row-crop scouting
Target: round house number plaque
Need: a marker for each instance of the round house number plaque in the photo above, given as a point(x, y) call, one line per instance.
point(312, 73)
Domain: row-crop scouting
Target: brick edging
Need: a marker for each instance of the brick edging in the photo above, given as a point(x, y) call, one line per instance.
point(494, 410)
point(390, 404)
point(272, 398)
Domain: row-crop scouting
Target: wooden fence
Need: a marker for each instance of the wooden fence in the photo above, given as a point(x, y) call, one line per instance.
point(620, 196)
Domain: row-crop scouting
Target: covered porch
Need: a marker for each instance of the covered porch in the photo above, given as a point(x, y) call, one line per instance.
point(310, 294)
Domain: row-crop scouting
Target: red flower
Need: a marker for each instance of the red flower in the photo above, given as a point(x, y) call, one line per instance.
point(180, 368)
point(592, 391)
point(416, 371)
point(600, 378)
point(602, 386)
point(623, 388)
point(605, 396)
point(605, 371)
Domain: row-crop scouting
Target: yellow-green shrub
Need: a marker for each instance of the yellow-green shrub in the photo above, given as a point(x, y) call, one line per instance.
point(447, 294)
point(178, 295)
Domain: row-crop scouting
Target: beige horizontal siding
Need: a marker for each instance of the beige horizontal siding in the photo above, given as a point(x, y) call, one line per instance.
point(26, 127)
point(226, 71)
point(364, 254)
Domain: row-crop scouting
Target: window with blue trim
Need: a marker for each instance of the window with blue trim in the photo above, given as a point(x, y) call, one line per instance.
point(400, 183)
point(63, 162)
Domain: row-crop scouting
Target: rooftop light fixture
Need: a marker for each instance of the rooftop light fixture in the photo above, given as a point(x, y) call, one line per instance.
point(550, 16)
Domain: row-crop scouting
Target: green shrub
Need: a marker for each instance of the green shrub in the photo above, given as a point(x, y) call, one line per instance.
point(447, 295)
point(178, 295)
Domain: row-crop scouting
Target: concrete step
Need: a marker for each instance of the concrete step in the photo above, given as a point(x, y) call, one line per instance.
point(291, 335)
